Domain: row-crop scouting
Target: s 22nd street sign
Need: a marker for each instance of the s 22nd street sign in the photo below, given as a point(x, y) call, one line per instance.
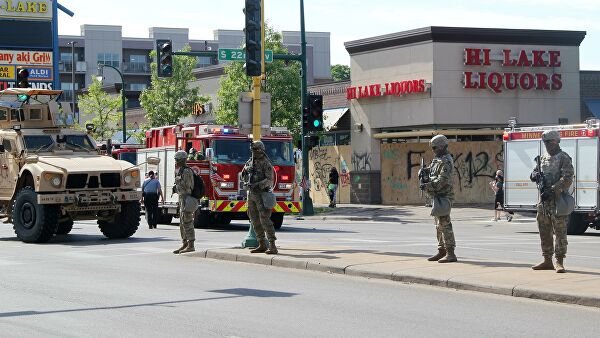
point(229, 54)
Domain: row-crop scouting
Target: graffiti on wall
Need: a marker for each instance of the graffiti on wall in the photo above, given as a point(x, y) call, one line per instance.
point(361, 161)
point(321, 161)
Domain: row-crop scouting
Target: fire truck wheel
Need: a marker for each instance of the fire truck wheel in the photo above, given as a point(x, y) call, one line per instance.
point(32, 222)
point(64, 227)
point(125, 223)
point(165, 219)
point(577, 224)
point(203, 219)
point(277, 219)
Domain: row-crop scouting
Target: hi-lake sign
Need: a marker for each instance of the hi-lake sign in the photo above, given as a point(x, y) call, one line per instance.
point(229, 54)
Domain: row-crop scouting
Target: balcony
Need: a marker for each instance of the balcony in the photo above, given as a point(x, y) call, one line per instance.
point(67, 66)
point(136, 68)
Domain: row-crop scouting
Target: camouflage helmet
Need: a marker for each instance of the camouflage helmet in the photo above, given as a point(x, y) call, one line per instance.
point(180, 155)
point(438, 140)
point(550, 135)
point(258, 145)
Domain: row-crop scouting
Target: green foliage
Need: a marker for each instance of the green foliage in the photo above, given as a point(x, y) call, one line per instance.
point(282, 81)
point(100, 108)
point(170, 99)
point(340, 72)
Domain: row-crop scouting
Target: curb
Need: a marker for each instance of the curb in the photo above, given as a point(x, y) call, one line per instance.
point(522, 291)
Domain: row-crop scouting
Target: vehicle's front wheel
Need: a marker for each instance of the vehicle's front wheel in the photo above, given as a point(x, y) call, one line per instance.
point(277, 219)
point(33, 222)
point(64, 227)
point(125, 223)
point(577, 224)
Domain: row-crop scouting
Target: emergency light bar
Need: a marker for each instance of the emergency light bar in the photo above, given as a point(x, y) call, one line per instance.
point(218, 130)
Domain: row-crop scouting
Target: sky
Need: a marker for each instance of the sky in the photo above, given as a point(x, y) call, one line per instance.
point(346, 20)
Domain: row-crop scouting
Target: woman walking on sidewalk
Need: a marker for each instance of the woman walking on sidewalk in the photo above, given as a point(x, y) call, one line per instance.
point(334, 181)
point(498, 186)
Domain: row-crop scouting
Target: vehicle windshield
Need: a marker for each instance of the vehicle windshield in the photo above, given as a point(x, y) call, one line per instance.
point(36, 143)
point(129, 157)
point(231, 151)
point(279, 152)
point(79, 142)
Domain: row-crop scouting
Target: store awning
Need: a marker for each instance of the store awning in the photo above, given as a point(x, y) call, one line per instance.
point(332, 116)
point(446, 132)
point(594, 107)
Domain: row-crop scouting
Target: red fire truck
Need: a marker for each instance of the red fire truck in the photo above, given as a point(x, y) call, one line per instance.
point(126, 152)
point(222, 152)
point(582, 143)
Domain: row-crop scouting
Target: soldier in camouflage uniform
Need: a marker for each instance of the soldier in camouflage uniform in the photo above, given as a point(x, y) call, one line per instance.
point(558, 171)
point(440, 184)
point(257, 176)
point(184, 183)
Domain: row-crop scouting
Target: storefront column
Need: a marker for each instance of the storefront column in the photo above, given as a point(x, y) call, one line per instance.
point(365, 173)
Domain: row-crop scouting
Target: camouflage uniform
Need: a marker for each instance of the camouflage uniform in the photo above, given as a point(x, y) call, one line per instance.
point(184, 183)
point(441, 184)
point(558, 173)
point(258, 172)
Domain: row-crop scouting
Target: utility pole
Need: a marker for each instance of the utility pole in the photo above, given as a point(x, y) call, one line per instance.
point(307, 206)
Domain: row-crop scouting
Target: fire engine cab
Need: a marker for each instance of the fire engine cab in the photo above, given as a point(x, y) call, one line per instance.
point(581, 142)
point(126, 152)
point(220, 154)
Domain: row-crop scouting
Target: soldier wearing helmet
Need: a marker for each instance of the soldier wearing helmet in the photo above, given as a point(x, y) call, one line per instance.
point(184, 184)
point(439, 187)
point(556, 171)
point(257, 176)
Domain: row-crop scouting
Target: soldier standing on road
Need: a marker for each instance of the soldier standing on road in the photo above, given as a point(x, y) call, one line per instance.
point(440, 185)
point(184, 183)
point(557, 169)
point(258, 177)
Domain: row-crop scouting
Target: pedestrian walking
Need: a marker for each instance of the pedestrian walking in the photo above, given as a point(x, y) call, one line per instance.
point(554, 173)
point(497, 186)
point(151, 192)
point(334, 181)
point(184, 184)
point(257, 176)
point(439, 187)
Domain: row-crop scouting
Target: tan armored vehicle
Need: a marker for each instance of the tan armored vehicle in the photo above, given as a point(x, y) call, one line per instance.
point(52, 174)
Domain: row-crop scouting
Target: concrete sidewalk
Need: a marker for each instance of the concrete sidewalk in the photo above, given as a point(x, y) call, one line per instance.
point(577, 286)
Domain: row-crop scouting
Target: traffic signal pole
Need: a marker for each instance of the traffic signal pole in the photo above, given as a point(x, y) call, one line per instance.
point(307, 205)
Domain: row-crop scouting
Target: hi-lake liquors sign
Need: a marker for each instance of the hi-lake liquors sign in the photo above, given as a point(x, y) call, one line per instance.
point(399, 88)
point(521, 69)
point(39, 64)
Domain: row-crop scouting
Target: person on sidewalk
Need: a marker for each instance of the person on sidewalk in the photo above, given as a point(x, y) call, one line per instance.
point(332, 186)
point(257, 175)
point(151, 191)
point(439, 188)
point(557, 171)
point(184, 184)
point(497, 186)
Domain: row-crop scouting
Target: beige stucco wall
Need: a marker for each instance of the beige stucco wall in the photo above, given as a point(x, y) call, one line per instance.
point(321, 160)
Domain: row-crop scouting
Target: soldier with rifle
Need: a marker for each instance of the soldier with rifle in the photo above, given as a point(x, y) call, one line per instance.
point(553, 175)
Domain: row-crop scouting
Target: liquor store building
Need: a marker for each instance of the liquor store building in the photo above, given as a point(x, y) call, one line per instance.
point(465, 83)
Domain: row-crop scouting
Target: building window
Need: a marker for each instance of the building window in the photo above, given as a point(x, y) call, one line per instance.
point(138, 86)
point(110, 59)
point(204, 61)
point(67, 57)
point(68, 86)
point(137, 58)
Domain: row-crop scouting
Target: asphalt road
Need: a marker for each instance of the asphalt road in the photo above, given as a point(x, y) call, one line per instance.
point(84, 285)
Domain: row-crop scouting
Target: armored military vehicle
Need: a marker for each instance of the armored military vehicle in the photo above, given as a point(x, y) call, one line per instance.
point(52, 174)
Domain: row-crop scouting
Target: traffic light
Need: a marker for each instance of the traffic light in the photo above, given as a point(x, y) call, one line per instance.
point(306, 119)
point(22, 77)
point(253, 38)
point(315, 106)
point(164, 57)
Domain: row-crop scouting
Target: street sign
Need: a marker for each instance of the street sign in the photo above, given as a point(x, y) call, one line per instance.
point(229, 54)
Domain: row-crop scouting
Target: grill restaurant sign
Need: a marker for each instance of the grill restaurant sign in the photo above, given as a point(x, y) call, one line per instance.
point(389, 89)
point(521, 69)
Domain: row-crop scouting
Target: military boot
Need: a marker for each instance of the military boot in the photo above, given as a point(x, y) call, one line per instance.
point(262, 246)
point(441, 253)
point(272, 248)
point(189, 247)
point(182, 247)
point(560, 268)
point(450, 256)
point(546, 264)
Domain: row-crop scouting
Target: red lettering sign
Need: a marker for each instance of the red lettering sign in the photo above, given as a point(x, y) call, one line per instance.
point(387, 89)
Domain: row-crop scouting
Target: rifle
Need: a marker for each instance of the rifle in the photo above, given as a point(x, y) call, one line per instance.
point(540, 181)
point(423, 175)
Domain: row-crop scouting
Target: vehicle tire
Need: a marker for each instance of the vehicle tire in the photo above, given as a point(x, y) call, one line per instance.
point(33, 222)
point(125, 222)
point(203, 219)
point(165, 219)
point(277, 219)
point(576, 224)
point(64, 227)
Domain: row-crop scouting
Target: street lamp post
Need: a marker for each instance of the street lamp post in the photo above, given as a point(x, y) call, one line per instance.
point(100, 77)
point(72, 44)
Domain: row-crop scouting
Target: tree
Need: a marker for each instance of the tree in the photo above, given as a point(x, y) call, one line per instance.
point(170, 99)
point(100, 108)
point(340, 72)
point(282, 81)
